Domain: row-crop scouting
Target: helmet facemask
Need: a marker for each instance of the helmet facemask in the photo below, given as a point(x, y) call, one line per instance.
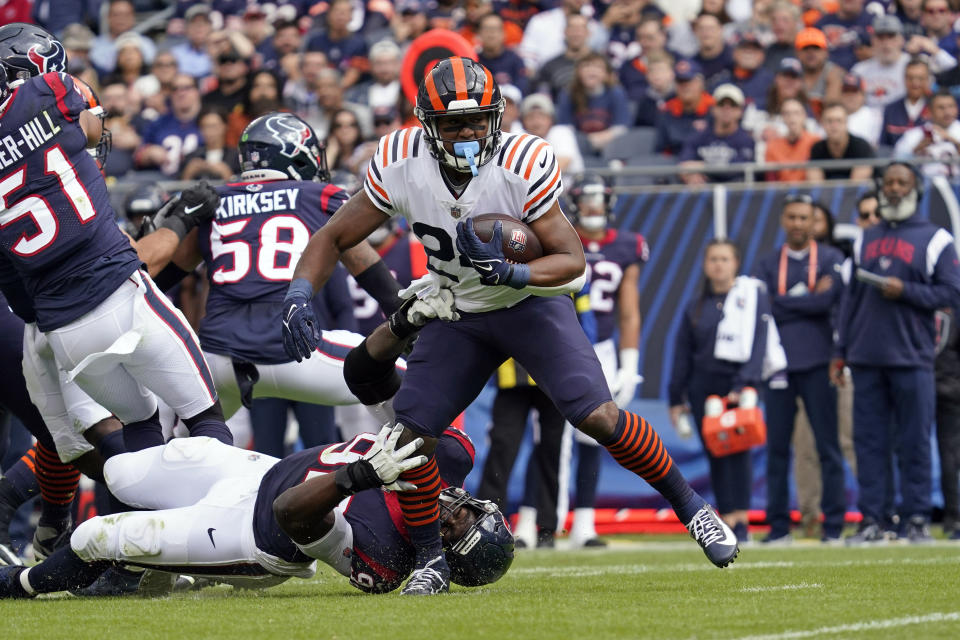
point(489, 143)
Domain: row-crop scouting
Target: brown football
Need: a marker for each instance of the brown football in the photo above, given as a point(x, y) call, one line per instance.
point(520, 243)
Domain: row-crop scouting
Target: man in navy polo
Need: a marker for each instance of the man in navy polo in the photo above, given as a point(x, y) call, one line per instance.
point(723, 142)
point(803, 280)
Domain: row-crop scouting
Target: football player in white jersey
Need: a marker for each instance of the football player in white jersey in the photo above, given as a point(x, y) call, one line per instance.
point(460, 165)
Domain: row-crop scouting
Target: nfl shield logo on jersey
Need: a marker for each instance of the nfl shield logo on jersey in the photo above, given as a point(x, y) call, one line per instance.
point(518, 240)
point(456, 211)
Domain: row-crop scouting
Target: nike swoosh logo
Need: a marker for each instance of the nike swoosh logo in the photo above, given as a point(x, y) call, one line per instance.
point(543, 162)
point(485, 267)
point(195, 207)
point(210, 533)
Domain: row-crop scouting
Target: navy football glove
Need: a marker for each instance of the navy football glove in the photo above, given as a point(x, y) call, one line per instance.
point(300, 333)
point(487, 257)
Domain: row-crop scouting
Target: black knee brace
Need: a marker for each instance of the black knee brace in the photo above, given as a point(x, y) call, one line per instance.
point(371, 381)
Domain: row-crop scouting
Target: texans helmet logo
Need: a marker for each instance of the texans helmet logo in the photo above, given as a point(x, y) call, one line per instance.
point(48, 62)
point(290, 132)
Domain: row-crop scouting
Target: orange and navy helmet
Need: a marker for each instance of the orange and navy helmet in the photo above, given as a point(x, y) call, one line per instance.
point(459, 86)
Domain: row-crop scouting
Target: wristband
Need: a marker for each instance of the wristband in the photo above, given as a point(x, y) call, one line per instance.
point(300, 287)
point(519, 276)
point(175, 224)
point(399, 324)
point(355, 477)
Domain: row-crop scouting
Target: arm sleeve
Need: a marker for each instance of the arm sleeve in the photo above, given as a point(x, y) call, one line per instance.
point(682, 362)
point(544, 184)
point(942, 265)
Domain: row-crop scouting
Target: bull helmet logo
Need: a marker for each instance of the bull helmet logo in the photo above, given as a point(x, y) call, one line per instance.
point(51, 60)
point(291, 133)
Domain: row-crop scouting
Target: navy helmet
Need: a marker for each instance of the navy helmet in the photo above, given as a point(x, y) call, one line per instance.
point(483, 554)
point(459, 86)
point(590, 190)
point(28, 50)
point(283, 142)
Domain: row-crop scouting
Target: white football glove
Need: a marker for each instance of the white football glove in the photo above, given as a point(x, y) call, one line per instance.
point(625, 384)
point(389, 463)
point(433, 301)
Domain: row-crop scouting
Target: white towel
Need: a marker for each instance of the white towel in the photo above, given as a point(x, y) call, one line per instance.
point(739, 323)
point(775, 358)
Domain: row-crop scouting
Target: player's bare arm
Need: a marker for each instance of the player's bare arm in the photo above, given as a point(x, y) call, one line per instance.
point(304, 511)
point(340, 239)
point(563, 259)
point(92, 128)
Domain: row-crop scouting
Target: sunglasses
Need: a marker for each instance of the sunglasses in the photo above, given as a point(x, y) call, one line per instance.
point(798, 198)
point(867, 216)
point(229, 59)
point(344, 125)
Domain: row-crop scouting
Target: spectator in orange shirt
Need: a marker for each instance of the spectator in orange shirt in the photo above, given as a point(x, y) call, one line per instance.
point(794, 146)
point(474, 11)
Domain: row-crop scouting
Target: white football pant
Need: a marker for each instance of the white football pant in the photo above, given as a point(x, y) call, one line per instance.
point(134, 345)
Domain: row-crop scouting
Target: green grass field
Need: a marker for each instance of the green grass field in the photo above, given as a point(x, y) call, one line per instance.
point(662, 590)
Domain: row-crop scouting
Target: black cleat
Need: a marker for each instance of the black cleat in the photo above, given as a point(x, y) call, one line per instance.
point(714, 536)
point(10, 583)
point(48, 538)
point(432, 579)
point(115, 581)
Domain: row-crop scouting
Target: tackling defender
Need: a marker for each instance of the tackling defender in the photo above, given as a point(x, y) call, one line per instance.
point(457, 166)
point(252, 520)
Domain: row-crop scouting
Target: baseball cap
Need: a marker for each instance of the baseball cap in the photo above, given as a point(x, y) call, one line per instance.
point(887, 24)
point(385, 115)
point(729, 92)
point(77, 37)
point(536, 101)
point(852, 82)
point(686, 70)
point(511, 93)
point(749, 39)
point(790, 67)
point(810, 37)
point(197, 10)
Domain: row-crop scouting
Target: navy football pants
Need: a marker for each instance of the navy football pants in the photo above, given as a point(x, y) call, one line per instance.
point(452, 361)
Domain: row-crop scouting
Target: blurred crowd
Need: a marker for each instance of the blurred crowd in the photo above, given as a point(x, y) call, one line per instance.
point(609, 82)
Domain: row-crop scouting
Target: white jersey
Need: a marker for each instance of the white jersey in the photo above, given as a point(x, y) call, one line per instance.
point(521, 180)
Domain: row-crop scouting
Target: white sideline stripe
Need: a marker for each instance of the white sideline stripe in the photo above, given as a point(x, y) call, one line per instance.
point(889, 623)
point(784, 587)
point(579, 571)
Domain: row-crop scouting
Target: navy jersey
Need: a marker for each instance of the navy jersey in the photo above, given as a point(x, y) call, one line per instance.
point(874, 331)
point(57, 227)
point(383, 555)
point(405, 258)
point(607, 259)
point(251, 248)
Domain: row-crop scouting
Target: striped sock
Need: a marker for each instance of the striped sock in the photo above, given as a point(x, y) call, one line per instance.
point(421, 511)
point(58, 484)
point(638, 448)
